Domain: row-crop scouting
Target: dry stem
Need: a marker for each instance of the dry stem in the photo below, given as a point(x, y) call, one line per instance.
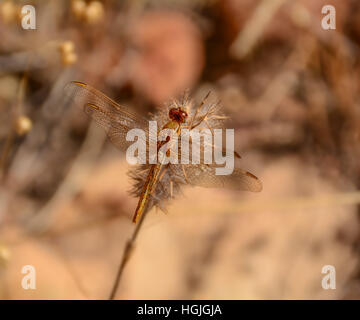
point(129, 247)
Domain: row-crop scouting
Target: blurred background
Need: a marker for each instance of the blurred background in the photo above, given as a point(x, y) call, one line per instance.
point(291, 90)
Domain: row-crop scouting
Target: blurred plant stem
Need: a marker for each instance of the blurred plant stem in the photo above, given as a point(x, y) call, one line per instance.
point(250, 34)
point(5, 152)
point(72, 183)
point(15, 114)
point(128, 250)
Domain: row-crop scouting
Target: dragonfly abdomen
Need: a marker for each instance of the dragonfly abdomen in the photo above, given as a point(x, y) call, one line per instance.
point(148, 189)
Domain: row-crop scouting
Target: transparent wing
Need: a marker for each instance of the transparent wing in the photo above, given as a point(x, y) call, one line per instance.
point(204, 175)
point(204, 145)
point(115, 119)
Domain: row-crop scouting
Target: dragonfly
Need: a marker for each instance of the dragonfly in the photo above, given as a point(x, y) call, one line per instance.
point(157, 183)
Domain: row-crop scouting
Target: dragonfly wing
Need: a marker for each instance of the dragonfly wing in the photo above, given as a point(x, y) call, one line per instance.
point(84, 94)
point(204, 175)
point(115, 119)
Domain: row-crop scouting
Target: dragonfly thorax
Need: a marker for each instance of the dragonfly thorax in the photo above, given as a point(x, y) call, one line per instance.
point(178, 114)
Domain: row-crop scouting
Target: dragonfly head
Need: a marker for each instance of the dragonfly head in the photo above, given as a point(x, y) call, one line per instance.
point(178, 114)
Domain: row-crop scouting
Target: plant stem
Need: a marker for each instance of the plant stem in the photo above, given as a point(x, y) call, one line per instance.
point(129, 247)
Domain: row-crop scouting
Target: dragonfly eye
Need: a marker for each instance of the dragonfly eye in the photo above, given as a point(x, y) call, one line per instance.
point(177, 114)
